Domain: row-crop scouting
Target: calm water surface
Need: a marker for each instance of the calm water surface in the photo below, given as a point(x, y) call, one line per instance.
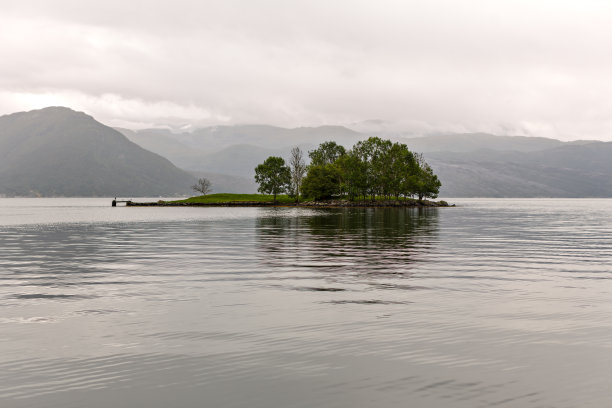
point(493, 303)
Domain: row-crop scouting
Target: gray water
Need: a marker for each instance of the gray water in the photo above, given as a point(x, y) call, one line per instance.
point(492, 303)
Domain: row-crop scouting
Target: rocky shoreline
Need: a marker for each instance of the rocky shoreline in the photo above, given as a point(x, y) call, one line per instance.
point(307, 204)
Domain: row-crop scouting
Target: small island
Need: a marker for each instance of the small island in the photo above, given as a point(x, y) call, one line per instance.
point(373, 173)
point(264, 200)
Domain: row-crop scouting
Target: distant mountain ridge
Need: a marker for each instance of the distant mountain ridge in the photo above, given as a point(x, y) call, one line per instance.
point(467, 142)
point(187, 148)
point(469, 164)
point(265, 136)
point(228, 155)
point(570, 170)
point(59, 152)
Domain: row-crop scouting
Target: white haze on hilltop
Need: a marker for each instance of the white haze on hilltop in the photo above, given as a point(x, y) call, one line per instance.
point(505, 67)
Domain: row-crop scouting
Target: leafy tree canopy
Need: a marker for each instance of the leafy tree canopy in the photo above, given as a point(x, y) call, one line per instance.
point(326, 153)
point(273, 176)
point(321, 182)
point(427, 183)
point(372, 168)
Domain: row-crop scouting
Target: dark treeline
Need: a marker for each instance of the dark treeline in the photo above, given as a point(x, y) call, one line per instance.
point(370, 170)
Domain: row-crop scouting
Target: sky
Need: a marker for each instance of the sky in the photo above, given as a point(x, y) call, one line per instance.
point(534, 68)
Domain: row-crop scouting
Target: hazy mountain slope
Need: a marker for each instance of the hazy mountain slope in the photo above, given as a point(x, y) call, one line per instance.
point(238, 160)
point(235, 159)
point(219, 137)
point(164, 143)
point(593, 157)
point(473, 179)
point(60, 152)
point(224, 183)
point(466, 142)
point(160, 141)
point(193, 150)
point(571, 170)
point(468, 164)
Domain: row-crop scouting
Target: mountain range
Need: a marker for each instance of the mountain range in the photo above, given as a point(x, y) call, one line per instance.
point(569, 170)
point(59, 152)
point(469, 164)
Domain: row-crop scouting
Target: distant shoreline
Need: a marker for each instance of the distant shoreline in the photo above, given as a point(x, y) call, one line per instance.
point(307, 204)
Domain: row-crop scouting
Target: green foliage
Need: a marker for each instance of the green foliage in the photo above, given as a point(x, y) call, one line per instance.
point(373, 168)
point(427, 184)
point(353, 175)
point(273, 176)
point(326, 153)
point(321, 182)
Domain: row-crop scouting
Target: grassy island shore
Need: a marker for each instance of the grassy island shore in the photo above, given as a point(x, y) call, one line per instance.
point(262, 200)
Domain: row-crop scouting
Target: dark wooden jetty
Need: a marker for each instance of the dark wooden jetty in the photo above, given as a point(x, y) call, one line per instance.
point(115, 201)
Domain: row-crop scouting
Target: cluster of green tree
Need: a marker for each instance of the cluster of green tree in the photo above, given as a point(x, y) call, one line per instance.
point(373, 168)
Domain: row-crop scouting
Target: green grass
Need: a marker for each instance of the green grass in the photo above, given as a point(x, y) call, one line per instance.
point(228, 198)
point(260, 198)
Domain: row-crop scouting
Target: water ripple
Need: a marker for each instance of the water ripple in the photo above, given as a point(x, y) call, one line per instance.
point(492, 303)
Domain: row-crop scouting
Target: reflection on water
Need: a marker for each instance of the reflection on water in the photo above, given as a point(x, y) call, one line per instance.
point(493, 303)
point(354, 227)
point(349, 246)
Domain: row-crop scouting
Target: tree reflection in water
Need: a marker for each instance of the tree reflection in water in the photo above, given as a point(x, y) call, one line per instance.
point(348, 241)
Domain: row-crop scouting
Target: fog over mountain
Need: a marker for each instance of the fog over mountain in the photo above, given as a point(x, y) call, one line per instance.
point(480, 87)
point(516, 67)
point(231, 149)
point(59, 152)
point(228, 155)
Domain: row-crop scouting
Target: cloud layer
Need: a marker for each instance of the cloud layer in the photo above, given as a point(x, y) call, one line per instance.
point(508, 67)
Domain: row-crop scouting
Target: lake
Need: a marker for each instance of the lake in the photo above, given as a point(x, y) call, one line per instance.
point(497, 302)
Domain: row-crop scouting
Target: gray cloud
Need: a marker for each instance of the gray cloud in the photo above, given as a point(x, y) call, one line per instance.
point(509, 67)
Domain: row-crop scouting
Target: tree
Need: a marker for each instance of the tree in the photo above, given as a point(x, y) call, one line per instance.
point(203, 186)
point(322, 182)
point(427, 184)
point(373, 168)
point(372, 153)
point(297, 167)
point(273, 176)
point(400, 165)
point(353, 174)
point(326, 153)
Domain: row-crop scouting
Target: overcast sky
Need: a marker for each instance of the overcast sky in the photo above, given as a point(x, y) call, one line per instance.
point(541, 68)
